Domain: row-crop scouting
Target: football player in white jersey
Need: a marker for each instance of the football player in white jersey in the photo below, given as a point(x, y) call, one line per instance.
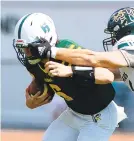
point(126, 47)
point(121, 28)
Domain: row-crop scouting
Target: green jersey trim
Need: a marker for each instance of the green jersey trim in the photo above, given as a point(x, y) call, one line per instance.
point(123, 45)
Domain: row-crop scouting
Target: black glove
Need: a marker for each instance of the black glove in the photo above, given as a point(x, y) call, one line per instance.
point(37, 55)
point(42, 43)
point(46, 50)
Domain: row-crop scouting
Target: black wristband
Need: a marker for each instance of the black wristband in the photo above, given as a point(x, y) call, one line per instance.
point(87, 72)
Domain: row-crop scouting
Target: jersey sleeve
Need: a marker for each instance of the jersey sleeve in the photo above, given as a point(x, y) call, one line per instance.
point(129, 56)
point(68, 44)
point(126, 47)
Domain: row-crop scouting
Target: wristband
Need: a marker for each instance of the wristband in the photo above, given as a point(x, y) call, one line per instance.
point(54, 51)
point(87, 72)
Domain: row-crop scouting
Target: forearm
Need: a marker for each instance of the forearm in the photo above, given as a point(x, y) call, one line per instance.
point(75, 56)
point(98, 75)
point(113, 59)
point(85, 57)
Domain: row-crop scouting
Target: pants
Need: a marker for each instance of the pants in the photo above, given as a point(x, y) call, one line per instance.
point(73, 126)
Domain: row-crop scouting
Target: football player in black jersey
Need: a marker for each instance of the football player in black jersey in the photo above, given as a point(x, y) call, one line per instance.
point(91, 113)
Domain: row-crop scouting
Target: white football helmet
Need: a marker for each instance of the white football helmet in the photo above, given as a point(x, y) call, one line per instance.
point(31, 27)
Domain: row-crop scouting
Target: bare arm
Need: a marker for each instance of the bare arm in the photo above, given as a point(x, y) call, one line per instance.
point(105, 76)
point(101, 75)
point(85, 57)
point(74, 56)
point(116, 72)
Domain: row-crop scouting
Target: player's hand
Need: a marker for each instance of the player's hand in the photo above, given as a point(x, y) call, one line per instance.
point(37, 100)
point(57, 69)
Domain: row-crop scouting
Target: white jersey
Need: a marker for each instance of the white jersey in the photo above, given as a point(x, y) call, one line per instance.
point(126, 46)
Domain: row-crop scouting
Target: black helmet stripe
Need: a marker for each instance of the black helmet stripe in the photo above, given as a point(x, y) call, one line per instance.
point(21, 24)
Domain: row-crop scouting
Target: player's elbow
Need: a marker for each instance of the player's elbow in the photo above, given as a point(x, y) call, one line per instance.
point(104, 80)
point(110, 79)
point(103, 76)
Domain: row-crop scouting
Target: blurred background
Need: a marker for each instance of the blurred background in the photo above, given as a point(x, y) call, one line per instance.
point(83, 22)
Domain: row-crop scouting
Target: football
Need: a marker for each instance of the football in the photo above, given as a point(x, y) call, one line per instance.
point(33, 88)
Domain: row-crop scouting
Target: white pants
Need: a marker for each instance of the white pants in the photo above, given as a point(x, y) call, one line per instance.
point(72, 126)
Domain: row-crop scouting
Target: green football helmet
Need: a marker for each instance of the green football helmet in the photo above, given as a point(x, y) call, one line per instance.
point(120, 24)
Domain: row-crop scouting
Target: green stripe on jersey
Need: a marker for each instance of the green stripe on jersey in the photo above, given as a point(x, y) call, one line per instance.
point(65, 43)
point(21, 24)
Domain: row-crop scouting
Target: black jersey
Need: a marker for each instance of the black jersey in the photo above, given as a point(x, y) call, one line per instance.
point(81, 94)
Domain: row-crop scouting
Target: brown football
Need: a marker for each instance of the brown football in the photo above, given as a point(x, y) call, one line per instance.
point(32, 88)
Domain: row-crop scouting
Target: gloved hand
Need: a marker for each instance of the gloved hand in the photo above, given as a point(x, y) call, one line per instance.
point(37, 100)
point(39, 54)
point(46, 47)
point(46, 50)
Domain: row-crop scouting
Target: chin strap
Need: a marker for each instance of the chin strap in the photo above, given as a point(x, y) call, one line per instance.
point(33, 60)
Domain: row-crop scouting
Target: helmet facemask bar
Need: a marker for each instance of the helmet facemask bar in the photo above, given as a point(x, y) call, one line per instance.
point(109, 42)
point(31, 52)
point(20, 54)
point(21, 46)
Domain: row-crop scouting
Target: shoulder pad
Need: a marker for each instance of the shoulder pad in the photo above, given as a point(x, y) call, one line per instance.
point(126, 43)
